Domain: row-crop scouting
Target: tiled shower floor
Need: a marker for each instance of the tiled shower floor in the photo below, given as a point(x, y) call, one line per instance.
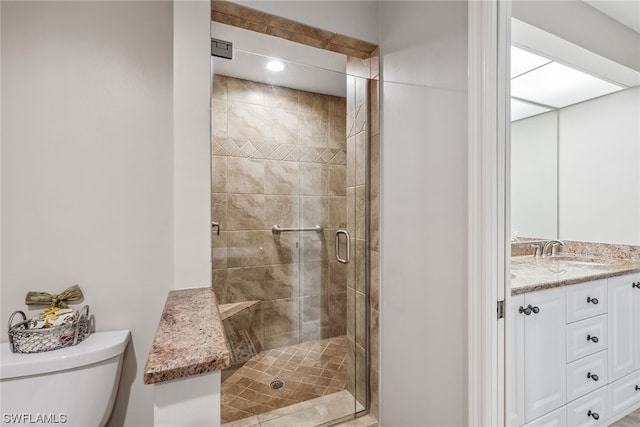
point(309, 370)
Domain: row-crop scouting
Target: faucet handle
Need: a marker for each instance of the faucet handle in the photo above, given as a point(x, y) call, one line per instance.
point(553, 244)
point(537, 248)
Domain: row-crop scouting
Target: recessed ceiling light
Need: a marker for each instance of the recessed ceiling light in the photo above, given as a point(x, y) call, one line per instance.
point(275, 65)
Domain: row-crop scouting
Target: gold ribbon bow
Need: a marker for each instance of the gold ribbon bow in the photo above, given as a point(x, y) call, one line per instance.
point(72, 293)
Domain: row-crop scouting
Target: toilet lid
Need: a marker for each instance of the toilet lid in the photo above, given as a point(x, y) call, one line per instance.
point(95, 348)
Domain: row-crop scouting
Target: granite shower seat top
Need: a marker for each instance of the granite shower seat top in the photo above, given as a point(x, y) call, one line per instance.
point(190, 339)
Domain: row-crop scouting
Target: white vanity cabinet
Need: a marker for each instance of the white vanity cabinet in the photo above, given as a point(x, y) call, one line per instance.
point(577, 354)
point(624, 344)
point(543, 386)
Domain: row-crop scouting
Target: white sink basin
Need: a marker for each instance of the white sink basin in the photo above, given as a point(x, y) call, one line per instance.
point(585, 262)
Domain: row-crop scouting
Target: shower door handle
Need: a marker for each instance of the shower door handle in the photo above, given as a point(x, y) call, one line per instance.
point(337, 240)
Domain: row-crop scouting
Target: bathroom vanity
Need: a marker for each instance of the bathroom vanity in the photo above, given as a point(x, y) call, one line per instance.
point(574, 340)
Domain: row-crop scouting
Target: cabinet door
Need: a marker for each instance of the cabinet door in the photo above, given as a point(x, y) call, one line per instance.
point(623, 326)
point(545, 352)
point(515, 363)
point(557, 418)
point(624, 395)
point(635, 328)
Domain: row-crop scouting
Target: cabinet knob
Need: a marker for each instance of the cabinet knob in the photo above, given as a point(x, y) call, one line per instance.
point(593, 376)
point(593, 301)
point(637, 387)
point(636, 285)
point(593, 415)
point(529, 309)
point(594, 338)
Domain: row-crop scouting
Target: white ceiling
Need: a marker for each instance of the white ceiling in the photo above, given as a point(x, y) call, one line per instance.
point(308, 68)
point(627, 12)
point(321, 71)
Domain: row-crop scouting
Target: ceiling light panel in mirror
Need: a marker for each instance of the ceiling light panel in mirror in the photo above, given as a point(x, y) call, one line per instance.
point(575, 138)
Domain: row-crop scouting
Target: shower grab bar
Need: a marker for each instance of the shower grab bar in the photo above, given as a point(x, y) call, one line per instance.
point(276, 229)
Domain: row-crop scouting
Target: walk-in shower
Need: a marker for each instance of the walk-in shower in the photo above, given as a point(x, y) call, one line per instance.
point(289, 177)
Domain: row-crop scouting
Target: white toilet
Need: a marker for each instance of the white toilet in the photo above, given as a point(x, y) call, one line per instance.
point(73, 386)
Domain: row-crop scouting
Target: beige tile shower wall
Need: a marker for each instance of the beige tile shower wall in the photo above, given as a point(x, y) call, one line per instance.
point(362, 148)
point(279, 157)
point(374, 236)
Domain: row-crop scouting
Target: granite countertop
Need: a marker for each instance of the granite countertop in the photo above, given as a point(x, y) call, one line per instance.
point(190, 339)
point(533, 274)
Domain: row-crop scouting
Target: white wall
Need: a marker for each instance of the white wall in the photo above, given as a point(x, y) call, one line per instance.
point(424, 214)
point(87, 167)
point(599, 164)
point(355, 18)
point(534, 176)
point(192, 144)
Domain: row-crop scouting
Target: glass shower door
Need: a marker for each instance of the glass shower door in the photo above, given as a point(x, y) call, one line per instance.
point(286, 200)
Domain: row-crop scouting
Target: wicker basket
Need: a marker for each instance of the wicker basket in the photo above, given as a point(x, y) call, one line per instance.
point(25, 340)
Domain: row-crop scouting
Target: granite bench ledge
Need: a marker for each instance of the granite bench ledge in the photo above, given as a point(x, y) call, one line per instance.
point(190, 339)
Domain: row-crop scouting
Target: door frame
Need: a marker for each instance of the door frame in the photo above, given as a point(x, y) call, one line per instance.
point(489, 212)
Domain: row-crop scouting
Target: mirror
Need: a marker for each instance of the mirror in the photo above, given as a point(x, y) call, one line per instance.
point(575, 149)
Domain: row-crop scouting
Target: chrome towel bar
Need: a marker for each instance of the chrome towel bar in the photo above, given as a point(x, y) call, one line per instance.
point(276, 229)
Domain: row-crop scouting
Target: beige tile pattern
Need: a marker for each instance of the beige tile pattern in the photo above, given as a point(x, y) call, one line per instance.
point(310, 370)
point(358, 211)
point(374, 237)
point(244, 17)
point(361, 117)
point(273, 163)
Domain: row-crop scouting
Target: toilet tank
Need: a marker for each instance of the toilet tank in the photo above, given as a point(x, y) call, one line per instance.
point(73, 386)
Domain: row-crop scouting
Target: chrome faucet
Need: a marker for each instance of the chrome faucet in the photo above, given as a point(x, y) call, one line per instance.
point(536, 247)
point(554, 244)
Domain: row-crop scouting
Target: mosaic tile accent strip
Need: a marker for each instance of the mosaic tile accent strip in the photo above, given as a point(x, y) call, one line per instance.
point(309, 370)
point(242, 349)
point(291, 152)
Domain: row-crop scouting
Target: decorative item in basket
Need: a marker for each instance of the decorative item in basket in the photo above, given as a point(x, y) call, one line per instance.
point(56, 327)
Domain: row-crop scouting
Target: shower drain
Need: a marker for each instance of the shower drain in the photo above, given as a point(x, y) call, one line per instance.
point(276, 384)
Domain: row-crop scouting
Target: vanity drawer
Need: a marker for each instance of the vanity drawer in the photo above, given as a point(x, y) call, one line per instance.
point(586, 375)
point(586, 337)
point(624, 393)
point(586, 300)
point(589, 411)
